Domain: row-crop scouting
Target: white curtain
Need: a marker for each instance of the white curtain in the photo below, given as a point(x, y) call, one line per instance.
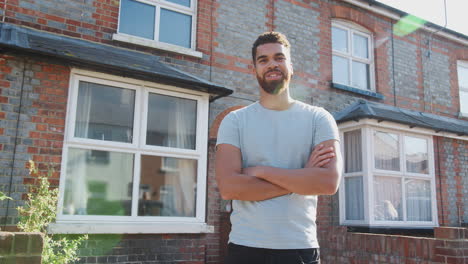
point(182, 135)
point(76, 190)
point(83, 110)
point(354, 198)
point(418, 200)
point(387, 155)
point(353, 151)
point(387, 198)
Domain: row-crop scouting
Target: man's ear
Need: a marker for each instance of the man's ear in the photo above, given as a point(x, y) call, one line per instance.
point(292, 68)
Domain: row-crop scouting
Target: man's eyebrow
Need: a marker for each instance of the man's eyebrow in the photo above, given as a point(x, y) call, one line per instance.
point(276, 55)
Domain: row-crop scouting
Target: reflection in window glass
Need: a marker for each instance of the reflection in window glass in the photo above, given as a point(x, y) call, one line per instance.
point(98, 183)
point(171, 121)
point(387, 199)
point(464, 102)
point(386, 151)
point(167, 187)
point(416, 155)
point(175, 28)
point(137, 19)
point(340, 39)
point(104, 112)
point(418, 200)
point(181, 2)
point(354, 198)
point(360, 46)
point(361, 75)
point(340, 70)
point(463, 76)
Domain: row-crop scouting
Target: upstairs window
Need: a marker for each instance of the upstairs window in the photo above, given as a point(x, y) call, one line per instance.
point(163, 21)
point(463, 86)
point(389, 179)
point(353, 61)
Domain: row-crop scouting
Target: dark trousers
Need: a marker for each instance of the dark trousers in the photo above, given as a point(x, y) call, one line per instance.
point(248, 255)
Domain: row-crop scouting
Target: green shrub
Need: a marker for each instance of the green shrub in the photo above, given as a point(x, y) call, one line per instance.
point(36, 215)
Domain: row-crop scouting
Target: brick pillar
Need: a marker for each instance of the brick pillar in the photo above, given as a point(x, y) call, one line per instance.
point(452, 246)
point(21, 248)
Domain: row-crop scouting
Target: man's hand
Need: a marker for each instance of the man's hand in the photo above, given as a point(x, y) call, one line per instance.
point(320, 156)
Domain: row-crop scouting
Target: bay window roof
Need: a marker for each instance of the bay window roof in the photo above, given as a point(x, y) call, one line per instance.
point(366, 109)
point(104, 58)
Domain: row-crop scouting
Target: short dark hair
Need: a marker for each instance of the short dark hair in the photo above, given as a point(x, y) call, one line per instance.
point(269, 37)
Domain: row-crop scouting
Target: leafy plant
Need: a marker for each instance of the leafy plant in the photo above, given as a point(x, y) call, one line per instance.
point(4, 197)
point(36, 215)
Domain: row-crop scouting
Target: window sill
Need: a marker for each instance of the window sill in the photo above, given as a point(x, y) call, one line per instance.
point(358, 91)
point(157, 45)
point(130, 228)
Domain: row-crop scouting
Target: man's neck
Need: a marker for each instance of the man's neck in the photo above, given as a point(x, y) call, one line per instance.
point(279, 102)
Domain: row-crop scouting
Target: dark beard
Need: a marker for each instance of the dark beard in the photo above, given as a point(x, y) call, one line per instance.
point(272, 87)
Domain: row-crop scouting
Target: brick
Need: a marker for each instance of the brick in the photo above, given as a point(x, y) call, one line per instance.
point(6, 243)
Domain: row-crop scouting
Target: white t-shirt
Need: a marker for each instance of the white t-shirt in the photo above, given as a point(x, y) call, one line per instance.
point(282, 139)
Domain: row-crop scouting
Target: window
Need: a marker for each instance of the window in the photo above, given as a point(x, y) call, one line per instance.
point(463, 86)
point(165, 24)
point(352, 56)
point(388, 178)
point(134, 152)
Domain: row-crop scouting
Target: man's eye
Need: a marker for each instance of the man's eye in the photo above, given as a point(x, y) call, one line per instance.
point(281, 59)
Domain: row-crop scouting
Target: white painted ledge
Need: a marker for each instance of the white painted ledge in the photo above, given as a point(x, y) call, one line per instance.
point(157, 45)
point(129, 228)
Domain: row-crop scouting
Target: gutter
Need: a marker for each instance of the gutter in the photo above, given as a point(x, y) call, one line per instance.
point(396, 14)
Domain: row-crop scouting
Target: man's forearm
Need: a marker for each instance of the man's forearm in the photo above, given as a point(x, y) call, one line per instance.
point(306, 181)
point(249, 188)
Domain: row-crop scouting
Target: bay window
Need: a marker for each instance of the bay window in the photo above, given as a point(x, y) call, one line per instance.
point(388, 178)
point(134, 152)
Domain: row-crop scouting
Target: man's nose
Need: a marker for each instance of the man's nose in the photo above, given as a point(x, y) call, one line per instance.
point(273, 64)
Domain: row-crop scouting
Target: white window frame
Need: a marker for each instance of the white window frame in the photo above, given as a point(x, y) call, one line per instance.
point(462, 89)
point(352, 28)
point(135, 223)
point(368, 127)
point(155, 43)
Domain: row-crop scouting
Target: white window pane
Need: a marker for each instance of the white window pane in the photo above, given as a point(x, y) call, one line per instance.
point(181, 2)
point(137, 19)
point(340, 70)
point(360, 46)
point(167, 187)
point(98, 183)
point(340, 39)
point(386, 151)
point(353, 151)
point(418, 200)
point(172, 121)
point(463, 102)
point(416, 155)
point(104, 112)
point(387, 199)
point(361, 75)
point(354, 200)
point(175, 28)
point(463, 76)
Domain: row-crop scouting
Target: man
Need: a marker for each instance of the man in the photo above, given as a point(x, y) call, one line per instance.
point(265, 164)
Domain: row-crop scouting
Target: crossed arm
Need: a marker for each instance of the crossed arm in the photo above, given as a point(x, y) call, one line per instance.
point(321, 175)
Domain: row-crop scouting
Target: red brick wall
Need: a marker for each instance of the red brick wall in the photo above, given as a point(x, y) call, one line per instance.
point(447, 247)
point(21, 248)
